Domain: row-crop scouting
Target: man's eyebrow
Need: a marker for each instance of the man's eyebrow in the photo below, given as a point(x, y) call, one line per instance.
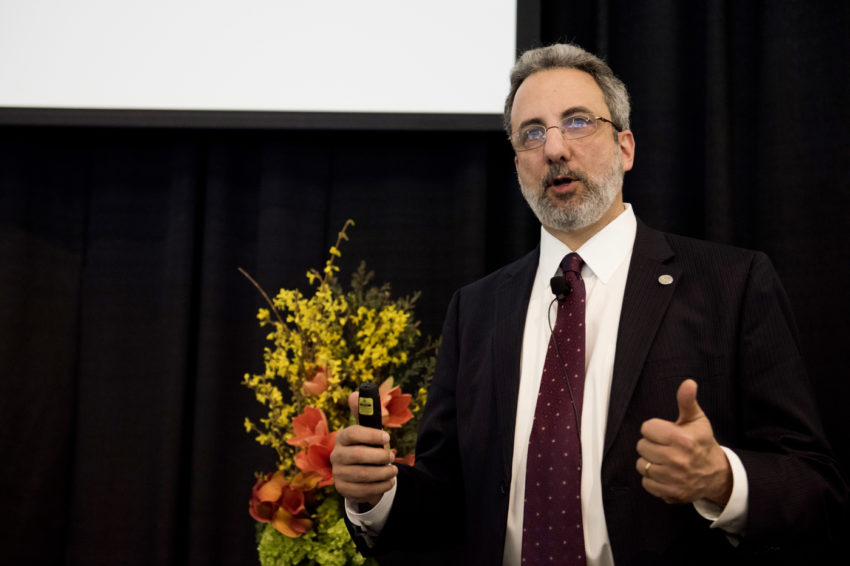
point(568, 112)
point(530, 122)
point(576, 110)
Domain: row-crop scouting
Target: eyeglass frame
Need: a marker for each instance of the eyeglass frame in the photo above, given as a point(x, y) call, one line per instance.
point(563, 130)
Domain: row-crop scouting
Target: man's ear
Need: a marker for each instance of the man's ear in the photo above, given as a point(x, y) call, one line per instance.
point(626, 140)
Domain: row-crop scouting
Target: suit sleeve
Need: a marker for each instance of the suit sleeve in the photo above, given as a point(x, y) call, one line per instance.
point(795, 488)
point(427, 512)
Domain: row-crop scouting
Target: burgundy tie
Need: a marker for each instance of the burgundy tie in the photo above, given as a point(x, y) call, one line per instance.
point(552, 529)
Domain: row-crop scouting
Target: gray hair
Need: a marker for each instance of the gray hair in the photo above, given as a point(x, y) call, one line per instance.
point(569, 56)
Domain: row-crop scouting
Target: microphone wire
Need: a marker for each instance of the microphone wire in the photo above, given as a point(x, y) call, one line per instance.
point(566, 377)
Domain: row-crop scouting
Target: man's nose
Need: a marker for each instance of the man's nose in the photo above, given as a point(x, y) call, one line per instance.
point(556, 147)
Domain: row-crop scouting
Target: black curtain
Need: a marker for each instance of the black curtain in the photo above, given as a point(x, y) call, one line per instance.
point(125, 327)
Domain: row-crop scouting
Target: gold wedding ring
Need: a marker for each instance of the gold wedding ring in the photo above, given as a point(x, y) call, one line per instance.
point(646, 469)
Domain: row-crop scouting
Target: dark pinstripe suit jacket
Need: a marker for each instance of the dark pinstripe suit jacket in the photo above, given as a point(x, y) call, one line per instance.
point(724, 321)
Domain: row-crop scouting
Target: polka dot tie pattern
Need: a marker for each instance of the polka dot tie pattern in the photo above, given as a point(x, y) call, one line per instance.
point(552, 531)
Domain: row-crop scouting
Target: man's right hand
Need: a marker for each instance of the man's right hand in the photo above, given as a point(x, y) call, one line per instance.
point(362, 463)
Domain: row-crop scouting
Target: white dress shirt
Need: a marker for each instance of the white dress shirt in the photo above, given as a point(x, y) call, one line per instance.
point(606, 263)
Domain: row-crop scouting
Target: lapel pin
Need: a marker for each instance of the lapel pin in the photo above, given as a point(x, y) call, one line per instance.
point(665, 279)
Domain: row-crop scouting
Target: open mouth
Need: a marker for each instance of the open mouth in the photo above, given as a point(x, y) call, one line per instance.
point(561, 181)
point(562, 185)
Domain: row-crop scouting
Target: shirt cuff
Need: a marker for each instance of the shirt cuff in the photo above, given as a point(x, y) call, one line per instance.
point(732, 518)
point(371, 523)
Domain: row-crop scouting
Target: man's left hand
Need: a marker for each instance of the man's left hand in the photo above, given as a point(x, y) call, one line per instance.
point(680, 461)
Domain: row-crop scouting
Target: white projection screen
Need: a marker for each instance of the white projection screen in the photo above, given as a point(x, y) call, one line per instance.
point(299, 58)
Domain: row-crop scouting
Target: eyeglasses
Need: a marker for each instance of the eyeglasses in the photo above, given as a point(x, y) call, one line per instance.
point(573, 127)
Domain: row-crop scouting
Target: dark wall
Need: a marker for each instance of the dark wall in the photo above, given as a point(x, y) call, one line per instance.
point(125, 327)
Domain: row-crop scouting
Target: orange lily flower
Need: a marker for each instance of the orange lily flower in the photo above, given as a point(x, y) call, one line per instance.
point(316, 383)
point(315, 460)
point(394, 405)
point(275, 501)
point(306, 481)
point(309, 427)
point(409, 460)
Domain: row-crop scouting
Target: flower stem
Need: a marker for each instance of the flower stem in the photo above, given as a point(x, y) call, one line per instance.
point(262, 292)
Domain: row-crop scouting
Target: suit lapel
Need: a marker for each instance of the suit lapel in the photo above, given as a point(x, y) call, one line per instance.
point(644, 303)
point(511, 306)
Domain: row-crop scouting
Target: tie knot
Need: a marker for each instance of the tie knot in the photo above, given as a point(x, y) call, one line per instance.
point(572, 262)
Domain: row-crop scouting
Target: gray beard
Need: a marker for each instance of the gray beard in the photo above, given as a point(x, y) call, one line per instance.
point(574, 212)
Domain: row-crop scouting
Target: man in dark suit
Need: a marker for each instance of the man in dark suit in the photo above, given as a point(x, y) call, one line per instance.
point(696, 437)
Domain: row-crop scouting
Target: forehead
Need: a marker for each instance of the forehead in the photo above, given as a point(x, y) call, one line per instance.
point(545, 95)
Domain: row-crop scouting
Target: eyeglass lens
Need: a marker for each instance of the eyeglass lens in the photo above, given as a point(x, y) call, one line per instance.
point(572, 127)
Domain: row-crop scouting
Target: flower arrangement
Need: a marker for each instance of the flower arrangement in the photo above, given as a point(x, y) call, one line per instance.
point(322, 347)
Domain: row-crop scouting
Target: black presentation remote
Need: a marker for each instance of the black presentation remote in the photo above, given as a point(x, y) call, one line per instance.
point(369, 407)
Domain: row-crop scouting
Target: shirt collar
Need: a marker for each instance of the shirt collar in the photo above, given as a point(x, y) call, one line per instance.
point(602, 254)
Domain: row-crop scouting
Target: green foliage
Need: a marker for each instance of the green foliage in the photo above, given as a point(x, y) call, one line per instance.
point(329, 545)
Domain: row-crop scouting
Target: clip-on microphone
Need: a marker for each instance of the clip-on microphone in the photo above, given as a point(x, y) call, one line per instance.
point(560, 287)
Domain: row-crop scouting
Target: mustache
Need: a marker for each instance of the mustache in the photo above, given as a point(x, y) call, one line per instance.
point(560, 170)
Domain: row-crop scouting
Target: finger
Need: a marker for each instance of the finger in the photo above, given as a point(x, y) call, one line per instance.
point(651, 469)
point(658, 431)
point(364, 483)
point(353, 401)
point(641, 466)
point(357, 474)
point(657, 486)
point(357, 434)
point(666, 492)
point(652, 451)
point(686, 398)
point(360, 454)
point(362, 493)
point(359, 492)
point(658, 472)
point(652, 487)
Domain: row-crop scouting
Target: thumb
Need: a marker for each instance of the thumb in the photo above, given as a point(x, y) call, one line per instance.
point(353, 402)
point(686, 398)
